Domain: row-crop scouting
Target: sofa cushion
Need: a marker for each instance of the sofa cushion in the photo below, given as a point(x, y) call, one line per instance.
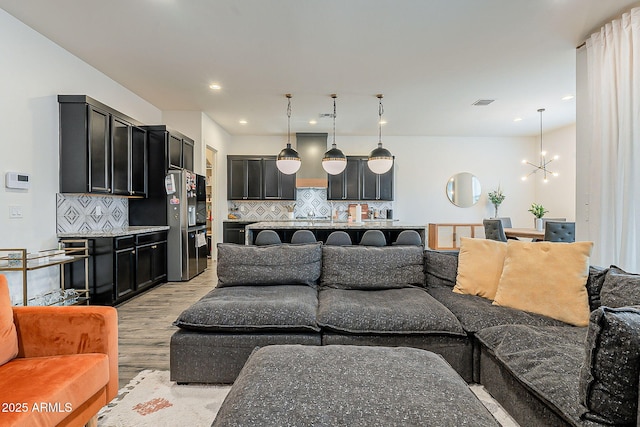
point(287, 264)
point(476, 313)
point(547, 278)
point(385, 311)
point(479, 267)
point(440, 267)
point(51, 387)
point(8, 336)
point(620, 289)
point(594, 285)
point(545, 359)
point(253, 308)
point(609, 375)
point(368, 267)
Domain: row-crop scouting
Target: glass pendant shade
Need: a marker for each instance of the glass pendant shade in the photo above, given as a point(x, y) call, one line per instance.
point(380, 160)
point(334, 161)
point(288, 161)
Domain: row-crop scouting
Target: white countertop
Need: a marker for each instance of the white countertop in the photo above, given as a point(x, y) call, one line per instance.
point(114, 232)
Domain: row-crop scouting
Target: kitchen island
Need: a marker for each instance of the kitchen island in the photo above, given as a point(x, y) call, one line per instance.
point(322, 228)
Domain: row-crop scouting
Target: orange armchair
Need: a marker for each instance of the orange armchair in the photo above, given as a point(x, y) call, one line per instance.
point(66, 367)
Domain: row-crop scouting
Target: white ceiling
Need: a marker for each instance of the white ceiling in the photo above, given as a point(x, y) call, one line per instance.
point(430, 58)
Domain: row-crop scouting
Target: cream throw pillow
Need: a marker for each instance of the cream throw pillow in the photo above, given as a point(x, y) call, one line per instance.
point(479, 267)
point(8, 336)
point(547, 278)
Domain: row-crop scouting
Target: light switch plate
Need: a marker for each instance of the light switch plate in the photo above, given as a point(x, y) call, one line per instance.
point(15, 211)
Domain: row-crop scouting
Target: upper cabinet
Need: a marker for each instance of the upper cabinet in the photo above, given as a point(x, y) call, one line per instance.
point(357, 182)
point(258, 178)
point(101, 150)
point(170, 148)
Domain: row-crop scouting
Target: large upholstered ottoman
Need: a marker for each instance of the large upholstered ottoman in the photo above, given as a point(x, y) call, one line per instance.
point(343, 385)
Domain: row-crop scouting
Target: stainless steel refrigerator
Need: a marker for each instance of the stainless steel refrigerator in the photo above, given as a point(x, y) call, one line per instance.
point(186, 241)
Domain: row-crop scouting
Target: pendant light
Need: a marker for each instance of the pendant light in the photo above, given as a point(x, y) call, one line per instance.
point(334, 160)
point(543, 158)
point(380, 159)
point(288, 161)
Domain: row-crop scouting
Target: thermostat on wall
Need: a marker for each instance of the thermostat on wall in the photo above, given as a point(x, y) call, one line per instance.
point(17, 180)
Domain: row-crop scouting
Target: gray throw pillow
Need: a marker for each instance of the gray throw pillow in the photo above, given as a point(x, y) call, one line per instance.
point(620, 289)
point(287, 264)
point(594, 285)
point(441, 268)
point(609, 375)
point(367, 267)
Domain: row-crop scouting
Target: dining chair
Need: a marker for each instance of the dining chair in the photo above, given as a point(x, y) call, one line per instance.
point(494, 230)
point(267, 237)
point(303, 236)
point(408, 238)
point(338, 238)
point(373, 238)
point(506, 221)
point(560, 231)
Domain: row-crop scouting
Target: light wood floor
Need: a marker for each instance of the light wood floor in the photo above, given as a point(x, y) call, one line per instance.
point(144, 323)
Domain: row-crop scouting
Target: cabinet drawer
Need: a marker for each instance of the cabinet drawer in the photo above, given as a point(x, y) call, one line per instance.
point(146, 238)
point(124, 242)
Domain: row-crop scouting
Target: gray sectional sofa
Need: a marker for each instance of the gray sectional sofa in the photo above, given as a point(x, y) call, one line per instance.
point(402, 296)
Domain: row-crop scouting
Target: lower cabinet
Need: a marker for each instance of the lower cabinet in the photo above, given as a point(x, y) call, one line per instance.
point(121, 267)
point(234, 232)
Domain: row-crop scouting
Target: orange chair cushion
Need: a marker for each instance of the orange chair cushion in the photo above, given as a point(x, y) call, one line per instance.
point(8, 336)
point(48, 389)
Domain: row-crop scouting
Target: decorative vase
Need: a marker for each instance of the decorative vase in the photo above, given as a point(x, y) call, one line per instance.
point(495, 206)
point(539, 224)
point(290, 215)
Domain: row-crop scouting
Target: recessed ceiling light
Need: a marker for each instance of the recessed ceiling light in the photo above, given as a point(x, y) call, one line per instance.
point(517, 119)
point(243, 122)
point(567, 97)
point(313, 122)
point(383, 122)
point(215, 86)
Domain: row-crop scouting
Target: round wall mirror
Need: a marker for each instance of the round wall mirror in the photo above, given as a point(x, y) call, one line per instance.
point(463, 189)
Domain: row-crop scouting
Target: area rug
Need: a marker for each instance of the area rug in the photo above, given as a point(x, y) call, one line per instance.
point(151, 400)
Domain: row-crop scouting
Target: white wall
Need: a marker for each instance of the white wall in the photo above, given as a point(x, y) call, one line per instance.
point(424, 165)
point(34, 71)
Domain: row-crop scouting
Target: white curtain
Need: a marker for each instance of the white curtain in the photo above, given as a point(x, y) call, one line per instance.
point(613, 70)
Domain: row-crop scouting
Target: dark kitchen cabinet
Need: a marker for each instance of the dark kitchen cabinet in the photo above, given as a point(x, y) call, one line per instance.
point(101, 149)
point(170, 149)
point(277, 185)
point(357, 182)
point(121, 267)
point(258, 178)
point(244, 178)
point(346, 185)
point(374, 186)
point(234, 232)
point(151, 259)
point(124, 267)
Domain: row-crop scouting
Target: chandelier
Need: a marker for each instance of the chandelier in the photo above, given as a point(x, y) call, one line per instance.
point(288, 160)
point(542, 166)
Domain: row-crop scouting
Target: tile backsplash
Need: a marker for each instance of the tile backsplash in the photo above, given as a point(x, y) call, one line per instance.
point(83, 212)
point(308, 200)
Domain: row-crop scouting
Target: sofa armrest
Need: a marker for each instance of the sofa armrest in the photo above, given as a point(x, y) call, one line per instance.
point(52, 331)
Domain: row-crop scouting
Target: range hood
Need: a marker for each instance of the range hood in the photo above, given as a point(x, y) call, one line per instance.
point(311, 148)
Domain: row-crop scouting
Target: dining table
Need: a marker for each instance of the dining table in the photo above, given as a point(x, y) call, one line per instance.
point(531, 233)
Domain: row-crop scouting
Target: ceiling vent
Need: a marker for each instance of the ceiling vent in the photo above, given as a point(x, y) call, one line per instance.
point(483, 102)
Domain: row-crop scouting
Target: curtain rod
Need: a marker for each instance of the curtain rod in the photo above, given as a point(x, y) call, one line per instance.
point(618, 16)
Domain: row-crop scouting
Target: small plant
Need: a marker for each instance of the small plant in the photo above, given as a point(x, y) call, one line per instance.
point(496, 197)
point(537, 210)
